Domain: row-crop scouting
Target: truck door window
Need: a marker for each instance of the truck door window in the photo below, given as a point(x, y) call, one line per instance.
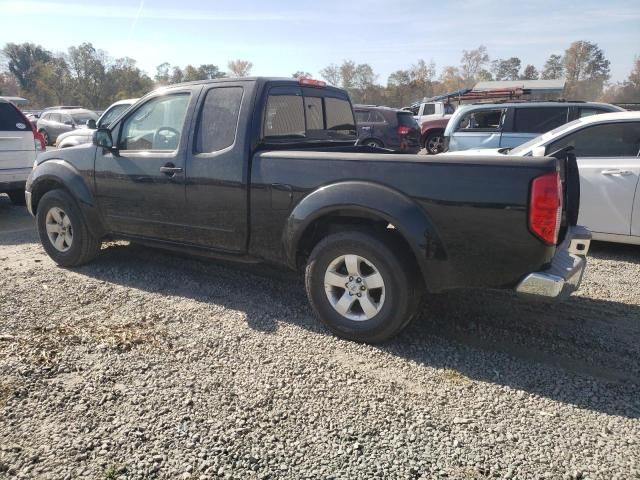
point(539, 119)
point(481, 121)
point(449, 109)
point(156, 125)
point(362, 116)
point(218, 120)
point(606, 140)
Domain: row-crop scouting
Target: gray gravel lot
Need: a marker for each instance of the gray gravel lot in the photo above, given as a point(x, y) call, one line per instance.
point(151, 365)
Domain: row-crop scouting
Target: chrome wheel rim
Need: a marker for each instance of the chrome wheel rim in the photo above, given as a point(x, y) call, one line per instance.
point(435, 144)
point(59, 229)
point(354, 287)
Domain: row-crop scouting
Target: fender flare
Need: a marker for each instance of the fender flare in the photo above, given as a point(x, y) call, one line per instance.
point(381, 201)
point(60, 172)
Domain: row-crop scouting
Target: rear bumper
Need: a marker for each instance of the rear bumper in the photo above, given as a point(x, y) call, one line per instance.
point(564, 275)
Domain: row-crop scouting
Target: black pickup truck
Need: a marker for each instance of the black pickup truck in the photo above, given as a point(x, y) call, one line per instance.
point(266, 170)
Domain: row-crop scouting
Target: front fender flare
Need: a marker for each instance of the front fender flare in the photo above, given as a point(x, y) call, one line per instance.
point(368, 198)
point(58, 171)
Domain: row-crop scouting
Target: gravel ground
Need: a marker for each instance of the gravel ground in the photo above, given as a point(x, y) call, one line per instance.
point(150, 365)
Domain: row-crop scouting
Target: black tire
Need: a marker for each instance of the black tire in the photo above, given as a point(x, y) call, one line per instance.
point(402, 289)
point(17, 197)
point(84, 246)
point(434, 143)
point(373, 143)
point(45, 137)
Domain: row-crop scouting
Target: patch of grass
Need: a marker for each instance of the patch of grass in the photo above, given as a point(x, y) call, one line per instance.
point(454, 376)
point(112, 472)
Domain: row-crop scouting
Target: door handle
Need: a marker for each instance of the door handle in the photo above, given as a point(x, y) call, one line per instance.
point(170, 170)
point(617, 171)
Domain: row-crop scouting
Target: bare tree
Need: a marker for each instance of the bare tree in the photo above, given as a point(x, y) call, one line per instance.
point(472, 62)
point(331, 74)
point(530, 73)
point(240, 68)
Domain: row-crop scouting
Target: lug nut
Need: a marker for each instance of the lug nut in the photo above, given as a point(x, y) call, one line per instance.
point(359, 280)
point(350, 279)
point(362, 287)
point(359, 294)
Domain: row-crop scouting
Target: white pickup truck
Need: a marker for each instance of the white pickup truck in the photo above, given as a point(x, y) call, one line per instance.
point(431, 110)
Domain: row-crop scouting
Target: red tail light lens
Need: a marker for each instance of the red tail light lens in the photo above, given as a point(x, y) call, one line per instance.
point(402, 130)
point(310, 82)
point(545, 207)
point(39, 142)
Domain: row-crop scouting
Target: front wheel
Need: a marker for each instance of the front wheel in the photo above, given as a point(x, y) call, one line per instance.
point(63, 232)
point(434, 143)
point(360, 288)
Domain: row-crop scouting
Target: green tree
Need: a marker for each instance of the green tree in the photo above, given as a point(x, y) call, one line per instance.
point(89, 72)
point(163, 76)
point(587, 69)
point(209, 71)
point(506, 69)
point(553, 68)
point(530, 73)
point(176, 75)
point(126, 80)
point(23, 60)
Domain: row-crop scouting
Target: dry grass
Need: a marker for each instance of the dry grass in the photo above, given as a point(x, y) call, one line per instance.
point(454, 376)
point(42, 345)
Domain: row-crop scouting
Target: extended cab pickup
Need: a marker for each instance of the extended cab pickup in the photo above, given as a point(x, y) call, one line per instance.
point(265, 170)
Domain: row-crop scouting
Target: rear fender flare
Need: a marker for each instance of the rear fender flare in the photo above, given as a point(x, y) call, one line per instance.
point(370, 199)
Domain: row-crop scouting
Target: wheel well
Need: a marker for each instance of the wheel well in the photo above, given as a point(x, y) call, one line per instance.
point(43, 187)
point(429, 132)
point(341, 221)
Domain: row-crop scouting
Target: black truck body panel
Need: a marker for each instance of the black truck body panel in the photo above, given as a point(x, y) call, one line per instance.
point(465, 219)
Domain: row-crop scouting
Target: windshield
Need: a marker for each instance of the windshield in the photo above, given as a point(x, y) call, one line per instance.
point(110, 115)
point(82, 118)
point(540, 139)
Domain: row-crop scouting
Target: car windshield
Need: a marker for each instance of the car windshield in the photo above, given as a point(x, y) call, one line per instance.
point(83, 117)
point(110, 115)
point(525, 147)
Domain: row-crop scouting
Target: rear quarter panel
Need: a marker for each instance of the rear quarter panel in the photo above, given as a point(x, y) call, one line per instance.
point(478, 206)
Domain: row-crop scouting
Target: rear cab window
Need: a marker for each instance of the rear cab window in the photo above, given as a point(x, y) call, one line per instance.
point(11, 120)
point(305, 113)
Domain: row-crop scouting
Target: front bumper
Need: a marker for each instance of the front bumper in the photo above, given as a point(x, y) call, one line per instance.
point(564, 275)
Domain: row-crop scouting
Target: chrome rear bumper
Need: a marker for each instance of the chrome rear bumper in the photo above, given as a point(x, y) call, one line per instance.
point(564, 275)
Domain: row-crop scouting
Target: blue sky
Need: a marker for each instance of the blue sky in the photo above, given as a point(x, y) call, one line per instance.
point(280, 37)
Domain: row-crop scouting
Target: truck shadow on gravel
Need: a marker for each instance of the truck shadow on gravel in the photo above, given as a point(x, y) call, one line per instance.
point(583, 352)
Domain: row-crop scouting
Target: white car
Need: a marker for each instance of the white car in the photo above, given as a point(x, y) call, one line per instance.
point(607, 148)
point(84, 134)
point(19, 145)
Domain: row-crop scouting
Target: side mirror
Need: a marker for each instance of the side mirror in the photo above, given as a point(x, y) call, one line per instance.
point(102, 138)
point(91, 123)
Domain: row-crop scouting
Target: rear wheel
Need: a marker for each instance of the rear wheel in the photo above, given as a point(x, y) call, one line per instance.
point(360, 288)
point(63, 231)
point(434, 143)
point(17, 197)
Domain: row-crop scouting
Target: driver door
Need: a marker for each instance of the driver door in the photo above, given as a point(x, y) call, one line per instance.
point(141, 188)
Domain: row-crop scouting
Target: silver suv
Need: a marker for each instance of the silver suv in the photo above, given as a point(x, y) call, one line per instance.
point(54, 122)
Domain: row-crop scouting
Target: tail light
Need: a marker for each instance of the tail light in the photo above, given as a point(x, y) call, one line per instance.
point(310, 82)
point(402, 130)
point(545, 207)
point(39, 141)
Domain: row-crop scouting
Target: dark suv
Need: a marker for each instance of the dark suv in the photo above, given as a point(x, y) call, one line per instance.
point(385, 127)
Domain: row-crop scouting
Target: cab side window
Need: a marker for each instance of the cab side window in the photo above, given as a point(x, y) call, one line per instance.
point(218, 119)
point(607, 140)
point(156, 125)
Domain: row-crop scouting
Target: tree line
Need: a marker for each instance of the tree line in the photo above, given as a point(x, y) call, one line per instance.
point(87, 76)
